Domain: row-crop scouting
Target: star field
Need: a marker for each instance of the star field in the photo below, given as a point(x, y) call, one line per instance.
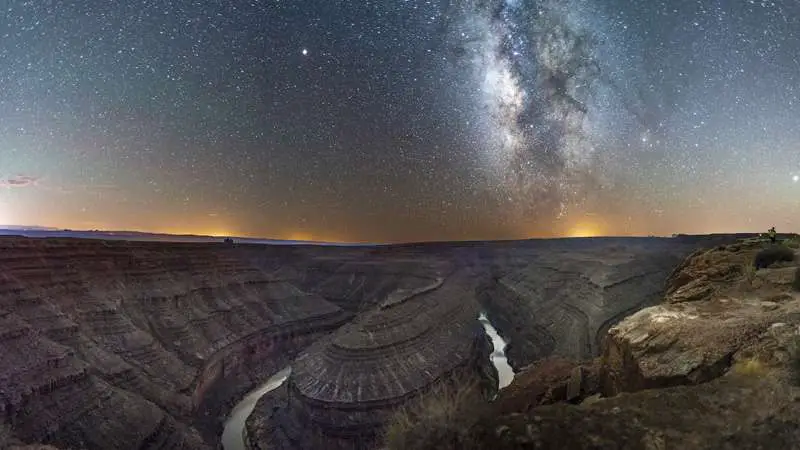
point(401, 120)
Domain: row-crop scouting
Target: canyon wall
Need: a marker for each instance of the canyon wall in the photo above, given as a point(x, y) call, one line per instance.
point(141, 345)
point(715, 364)
point(114, 344)
point(560, 298)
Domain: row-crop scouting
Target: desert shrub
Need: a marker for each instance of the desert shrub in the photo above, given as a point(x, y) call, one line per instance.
point(749, 272)
point(438, 419)
point(770, 255)
point(750, 366)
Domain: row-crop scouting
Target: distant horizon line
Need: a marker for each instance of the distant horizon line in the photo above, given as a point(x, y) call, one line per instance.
point(45, 229)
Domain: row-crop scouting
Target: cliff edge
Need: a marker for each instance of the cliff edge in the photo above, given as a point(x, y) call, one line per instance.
point(713, 366)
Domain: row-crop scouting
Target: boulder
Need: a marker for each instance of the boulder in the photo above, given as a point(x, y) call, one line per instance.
point(705, 320)
point(548, 381)
point(696, 289)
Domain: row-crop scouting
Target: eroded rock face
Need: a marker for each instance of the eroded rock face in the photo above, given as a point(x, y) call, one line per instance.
point(549, 381)
point(146, 345)
point(713, 371)
point(343, 390)
point(560, 298)
point(140, 345)
point(694, 338)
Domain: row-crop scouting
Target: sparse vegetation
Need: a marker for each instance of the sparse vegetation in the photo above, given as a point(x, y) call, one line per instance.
point(751, 367)
point(793, 243)
point(440, 418)
point(772, 255)
point(749, 271)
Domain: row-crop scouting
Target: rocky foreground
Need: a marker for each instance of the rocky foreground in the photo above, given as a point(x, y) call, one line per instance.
point(715, 365)
point(148, 345)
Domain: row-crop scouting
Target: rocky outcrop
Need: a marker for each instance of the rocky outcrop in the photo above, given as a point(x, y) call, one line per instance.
point(716, 307)
point(551, 380)
point(343, 390)
point(717, 370)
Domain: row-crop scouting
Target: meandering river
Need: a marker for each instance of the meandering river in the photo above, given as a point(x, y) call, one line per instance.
point(233, 433)
point(505, 373)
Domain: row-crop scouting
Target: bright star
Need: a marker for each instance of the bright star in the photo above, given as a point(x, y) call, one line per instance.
point(305, 52)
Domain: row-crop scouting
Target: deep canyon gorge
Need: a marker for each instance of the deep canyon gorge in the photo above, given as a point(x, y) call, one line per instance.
point(145, 345)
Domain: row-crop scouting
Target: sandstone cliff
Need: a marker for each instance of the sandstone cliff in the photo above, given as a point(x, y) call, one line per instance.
point(131, 345)
point(560, 297)
point(715, 365)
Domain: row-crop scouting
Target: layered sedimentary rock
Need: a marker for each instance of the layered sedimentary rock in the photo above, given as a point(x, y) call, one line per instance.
point(560, 297)
point(718, 309)
point(357, 281)
point(145, 345)
point(344, 389)
point(716, 365)
point(134, 345)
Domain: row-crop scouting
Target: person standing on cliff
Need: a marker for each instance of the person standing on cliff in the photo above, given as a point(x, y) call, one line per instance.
point(772, 234)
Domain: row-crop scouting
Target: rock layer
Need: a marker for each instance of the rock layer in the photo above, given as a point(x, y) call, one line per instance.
point(344, 389)
point(560, 297)
point(692, 337)
point(114, 344)
point(715, 366)
point(138, 345)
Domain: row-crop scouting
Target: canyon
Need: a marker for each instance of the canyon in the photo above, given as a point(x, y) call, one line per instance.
point(121, 344)
point(715, 364)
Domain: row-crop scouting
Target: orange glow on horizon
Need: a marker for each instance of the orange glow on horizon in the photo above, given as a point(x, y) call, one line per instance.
point(584, 229)
point(299, 236)
point(217, 233)
point(311, 237)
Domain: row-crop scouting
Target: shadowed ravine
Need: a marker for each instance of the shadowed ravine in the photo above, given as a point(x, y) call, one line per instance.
point(233, 434)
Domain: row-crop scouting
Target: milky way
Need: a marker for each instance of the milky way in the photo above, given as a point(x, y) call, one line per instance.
point(542, 95)
point(401, 120)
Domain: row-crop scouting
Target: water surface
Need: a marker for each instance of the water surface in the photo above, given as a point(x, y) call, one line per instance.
point(233, 434)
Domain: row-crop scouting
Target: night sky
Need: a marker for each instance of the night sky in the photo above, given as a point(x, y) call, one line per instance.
point(401, 120)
